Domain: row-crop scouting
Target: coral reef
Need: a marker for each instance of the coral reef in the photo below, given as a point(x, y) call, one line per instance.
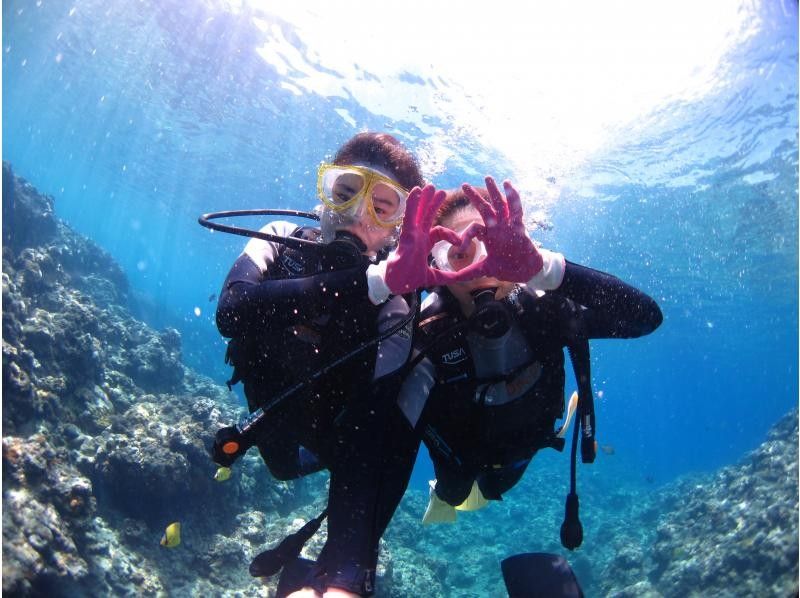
point(734, 533)
point(104, 433)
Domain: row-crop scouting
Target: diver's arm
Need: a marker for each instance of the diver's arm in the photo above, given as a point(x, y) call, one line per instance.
point(247, 300)
point(615, 309)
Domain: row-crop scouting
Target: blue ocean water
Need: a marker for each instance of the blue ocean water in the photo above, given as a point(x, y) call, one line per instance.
point(139, 116)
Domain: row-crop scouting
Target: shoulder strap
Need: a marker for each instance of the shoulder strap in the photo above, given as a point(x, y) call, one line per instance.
point(442, 334)
point(566, 316)
point(577, 343)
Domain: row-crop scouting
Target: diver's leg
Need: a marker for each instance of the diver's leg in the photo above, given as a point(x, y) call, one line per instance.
point(493, 483)
point(369, 474)
point(280, 458)
point(286, 458)
point(452, 486)
point(398, 464)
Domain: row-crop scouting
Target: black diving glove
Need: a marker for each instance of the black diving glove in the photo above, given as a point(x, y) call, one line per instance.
point(229, 445)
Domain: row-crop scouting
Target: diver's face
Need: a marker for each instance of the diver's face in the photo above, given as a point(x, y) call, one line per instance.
point(384, 202)
point(374, 237)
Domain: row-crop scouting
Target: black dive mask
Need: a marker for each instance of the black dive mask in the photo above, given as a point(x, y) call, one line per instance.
point(490, 318)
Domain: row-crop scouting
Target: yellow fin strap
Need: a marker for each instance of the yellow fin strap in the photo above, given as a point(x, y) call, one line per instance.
point(474, 501)
point(438, 511)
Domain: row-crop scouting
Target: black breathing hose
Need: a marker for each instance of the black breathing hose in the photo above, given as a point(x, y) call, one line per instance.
point(293, 242)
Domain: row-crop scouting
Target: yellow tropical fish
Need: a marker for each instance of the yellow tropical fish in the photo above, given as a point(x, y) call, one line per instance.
point(172, 535)
point(223, 473)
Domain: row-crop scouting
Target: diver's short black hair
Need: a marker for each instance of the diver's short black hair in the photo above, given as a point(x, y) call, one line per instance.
point(384, 151)
point(455, 201)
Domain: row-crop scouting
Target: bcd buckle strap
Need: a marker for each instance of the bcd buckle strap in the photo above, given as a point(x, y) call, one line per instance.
point(554, 442)
point(230, 359)
point(581, 364)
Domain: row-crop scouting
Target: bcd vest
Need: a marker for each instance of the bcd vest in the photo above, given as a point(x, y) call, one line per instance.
point(270, 365)
point(458, 423)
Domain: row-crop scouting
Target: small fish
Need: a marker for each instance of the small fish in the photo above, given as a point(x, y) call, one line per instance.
point(607, 449)
point(211, 297)
point(223, 473)
point(172, 535)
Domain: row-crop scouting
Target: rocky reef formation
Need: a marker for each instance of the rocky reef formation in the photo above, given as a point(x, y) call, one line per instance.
point(731, 534)
point(104, 434)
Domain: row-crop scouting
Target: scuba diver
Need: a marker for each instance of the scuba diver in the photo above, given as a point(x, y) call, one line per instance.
point(487, 383)
point(319, 345)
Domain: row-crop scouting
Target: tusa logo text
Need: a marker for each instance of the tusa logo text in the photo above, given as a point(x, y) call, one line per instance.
point(454, 356)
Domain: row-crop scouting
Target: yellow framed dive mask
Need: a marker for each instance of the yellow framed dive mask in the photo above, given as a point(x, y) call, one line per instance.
point(343, 188)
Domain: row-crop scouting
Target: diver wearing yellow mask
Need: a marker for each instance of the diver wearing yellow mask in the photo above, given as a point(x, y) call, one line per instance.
point(292, 312)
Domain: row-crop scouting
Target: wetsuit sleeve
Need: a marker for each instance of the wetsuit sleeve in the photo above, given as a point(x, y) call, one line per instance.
point(614, 309)
point(248, 300)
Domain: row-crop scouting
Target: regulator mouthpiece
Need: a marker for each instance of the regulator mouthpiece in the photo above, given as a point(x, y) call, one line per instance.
point(491, 318)
point(344, 236)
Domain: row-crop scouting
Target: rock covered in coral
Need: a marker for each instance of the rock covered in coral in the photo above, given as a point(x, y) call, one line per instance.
point(105, 434)
point(47, 504)
point(28, 216)
point(733, 534)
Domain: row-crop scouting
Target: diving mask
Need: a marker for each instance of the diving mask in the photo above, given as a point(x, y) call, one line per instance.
point(451, 258)
point(347, 188)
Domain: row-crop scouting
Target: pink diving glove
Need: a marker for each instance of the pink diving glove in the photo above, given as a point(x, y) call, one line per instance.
point(511, 254)
point(408, 268)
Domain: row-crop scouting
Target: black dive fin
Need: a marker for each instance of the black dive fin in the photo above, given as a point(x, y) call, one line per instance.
point(294, 577)
point(539, 575)
point(271, 561)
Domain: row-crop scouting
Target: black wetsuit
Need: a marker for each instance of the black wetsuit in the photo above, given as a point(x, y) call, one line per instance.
point(290, 313)
point(485, 406)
